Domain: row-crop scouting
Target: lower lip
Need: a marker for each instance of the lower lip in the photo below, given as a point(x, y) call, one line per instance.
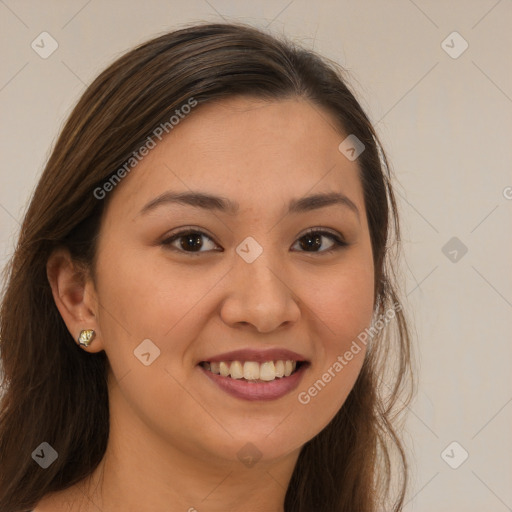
point(245, 390)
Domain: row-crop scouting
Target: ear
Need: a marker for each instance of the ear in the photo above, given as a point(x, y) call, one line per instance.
point(75, 297)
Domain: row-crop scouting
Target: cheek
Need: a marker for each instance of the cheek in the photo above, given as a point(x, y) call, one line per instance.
point(143, 297)
point(142, 302)
point(342, 303)
point(140, 296)
point(135, 306)
point(342, 300)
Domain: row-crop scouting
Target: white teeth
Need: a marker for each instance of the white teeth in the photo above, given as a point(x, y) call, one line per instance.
point(224, 369)
point(279, 367)
point(267, 371)
point(236, 370)
point(251, 370)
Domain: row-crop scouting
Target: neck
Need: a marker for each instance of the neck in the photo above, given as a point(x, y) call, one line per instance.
point(143, 470)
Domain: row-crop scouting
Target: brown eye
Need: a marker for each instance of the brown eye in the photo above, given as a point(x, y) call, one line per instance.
point(188, 241)
point(312, 241)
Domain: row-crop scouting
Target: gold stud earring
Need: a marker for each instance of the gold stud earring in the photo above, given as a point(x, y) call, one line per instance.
point(86, 336)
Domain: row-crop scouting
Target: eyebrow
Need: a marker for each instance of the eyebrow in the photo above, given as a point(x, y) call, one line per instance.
point(222, 204)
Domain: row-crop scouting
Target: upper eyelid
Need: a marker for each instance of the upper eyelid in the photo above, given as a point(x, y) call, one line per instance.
point(191, 229)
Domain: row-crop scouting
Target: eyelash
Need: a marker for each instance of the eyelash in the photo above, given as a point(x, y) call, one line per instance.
point(338, 242)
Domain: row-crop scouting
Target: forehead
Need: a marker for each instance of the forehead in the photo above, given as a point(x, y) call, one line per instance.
point(254, 151)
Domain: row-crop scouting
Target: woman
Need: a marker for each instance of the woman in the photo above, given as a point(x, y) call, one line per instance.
point(201, 305)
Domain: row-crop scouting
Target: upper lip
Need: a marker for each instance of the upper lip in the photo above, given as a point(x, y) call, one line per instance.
point(257, 355)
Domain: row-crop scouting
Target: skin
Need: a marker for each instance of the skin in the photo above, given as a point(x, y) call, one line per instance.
point(175, 435)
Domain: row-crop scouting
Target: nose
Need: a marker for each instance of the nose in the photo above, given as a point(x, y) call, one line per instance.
point(260, 296)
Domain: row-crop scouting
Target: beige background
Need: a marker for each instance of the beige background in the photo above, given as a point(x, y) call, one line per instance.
point(446, 124)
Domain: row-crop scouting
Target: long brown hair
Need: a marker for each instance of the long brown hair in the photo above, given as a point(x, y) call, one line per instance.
point(55, 392)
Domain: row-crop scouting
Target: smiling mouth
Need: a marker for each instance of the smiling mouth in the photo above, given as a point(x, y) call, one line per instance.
point(252, 371)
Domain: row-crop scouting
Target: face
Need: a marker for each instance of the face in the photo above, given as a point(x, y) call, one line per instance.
point(188, 285)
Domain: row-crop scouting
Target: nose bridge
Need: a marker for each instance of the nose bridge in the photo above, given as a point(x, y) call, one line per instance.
point(258, 268)
point(265, 276)
point(259, 294)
